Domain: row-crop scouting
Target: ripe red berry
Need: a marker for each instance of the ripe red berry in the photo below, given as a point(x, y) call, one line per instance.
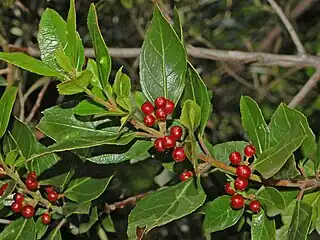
point(228, 189)
point(16, 207)
point(149, 120)
point(32, 174)
point(53, 196)
point(169, 106)
point(249, 150)
point(18, 197)
point(176, 132)
point(169, 142)
point(241, 184)
point(158, 145)
point(161, 114)
point(46, 218)
point(3, 188)
point(48, 189)
point(235, 158)
point(160, 102)
point(31, 184)
point(2, 175)
point(185, 176)
point(27, 211)
point(237, 201)
point(178, 154)
point(243, 171)
point(147, 108)
point(255, 206)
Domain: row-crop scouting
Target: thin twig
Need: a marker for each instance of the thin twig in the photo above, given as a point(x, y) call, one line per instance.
point(5, 47)
point(121, 204)
point(21, 103)
point(300, 195)
point(5, 221)
point(38, 102)
point(305, 89)
point(289, 27)
point(4, 71)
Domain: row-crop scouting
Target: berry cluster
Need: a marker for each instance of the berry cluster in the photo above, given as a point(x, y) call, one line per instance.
point(243, 173)
point(164, 107)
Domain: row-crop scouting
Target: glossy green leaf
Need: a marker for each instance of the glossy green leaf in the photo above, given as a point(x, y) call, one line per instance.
point(196, 90)
point(85, 189)
point(3, 82)
point(75, 208)
point(262, 228)
point(108, 224)
point(76, 85)
point(6, 104)
point(219, 215)
point(166, 205)
point(40, 228)
point(122, 89)
point(11, 157)
point(254, 124)
point(300, 222)
point(273, 159)
point(63, 61)
point(286, 216)
point(93, 68)
point(191, 115)
point(313, 200)
point(31, 64)
point(93, 218)
point(272, 201)
point(282, 122)
point(20, 229)
point(177, 25)
point(289, 170)
point(163, 62)
point(54, 235)
point(315, 157)
point(140, 147)
point(222, 151)
point(88, 107)
point(101, 51)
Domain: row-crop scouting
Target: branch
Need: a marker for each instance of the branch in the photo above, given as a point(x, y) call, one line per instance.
point(305, 89)
point(259, 58)
point(289, 26)
point(121, 204)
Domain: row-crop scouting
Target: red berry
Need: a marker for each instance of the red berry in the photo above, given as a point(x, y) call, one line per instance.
point(185, 176)
point(237, 201)
point(46, 218)
point(241, 184)
point(249, 151)
point(158, 145)
point(31, 183)
point(228, 189)
point(178, 154)
point(169, 106)
point(48, 189)
point(32, 174)
point(160, 102)
point(176, 132)
point(161, 114)
point(27, 211)
point(147, 108)
point(235, 158)
point(53, 196)
point(3, 188)
point(169, 142)
point(243, 171)
point(149, 120)
point(16, 207)
point(19, 197)
point(2, 175)
point(255, 206)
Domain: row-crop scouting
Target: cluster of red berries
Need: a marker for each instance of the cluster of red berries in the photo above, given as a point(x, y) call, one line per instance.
point(243, 173)
point(164, 107)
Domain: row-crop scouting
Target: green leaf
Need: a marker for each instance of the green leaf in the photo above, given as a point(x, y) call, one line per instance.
point(254, 124)
point(88, 107)
point(85, 189)
point(101, 51)
point(262, 227)
point(177, 26)
point(76, 85)
point(315, 157)
point(11, 157)
point(126, 3)
point(219, 215)
point(191, 115)
point(52, 35)
point(272, 201)
point(63, 61)
point(55, 235)
point(196, 90)
point(31, 64)
point(75, 208)
point(222, 151)
point(313, 199)
point(40, 228)
point(300, 222)
point(289, 170)
point(108, 224)
point(93, 68)
point(286, 216)
point(6, 105)
point(93, 218)
point(166, 205)
point(20, 229)
point(283, 121)
point(273, 159)
point(3, 82)
point(163, 62)
point(140, 147)
point(122, 89)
